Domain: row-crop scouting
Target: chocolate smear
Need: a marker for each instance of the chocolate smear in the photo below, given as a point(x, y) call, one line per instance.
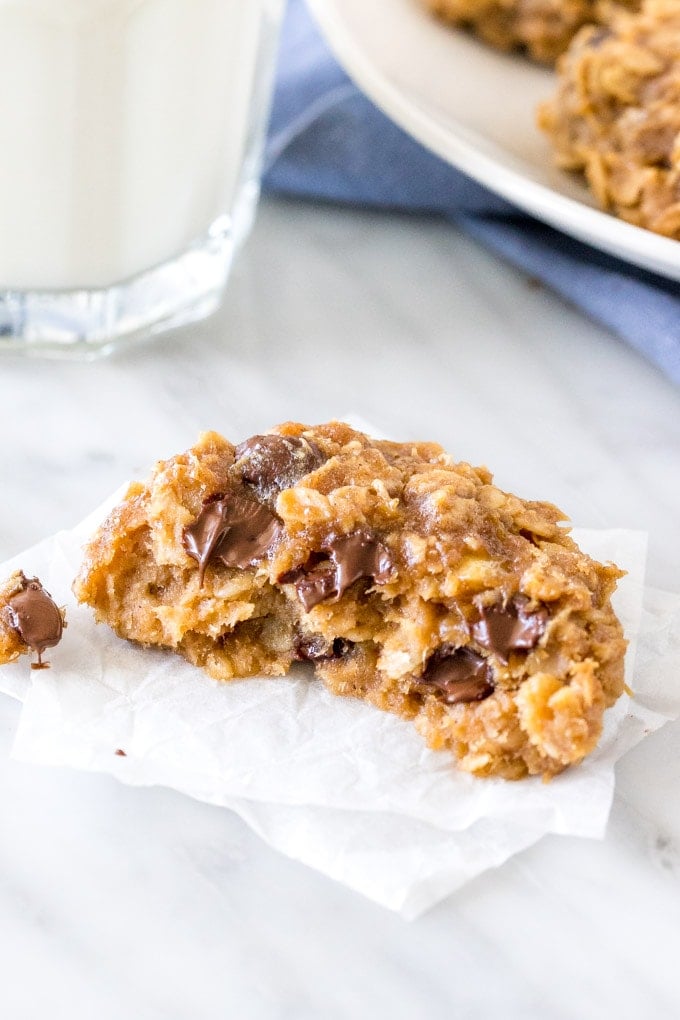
point(509, 629)
point(350, 558)
point(272, 463)
point(459, 675)
point(233, 528)
point(36, 618)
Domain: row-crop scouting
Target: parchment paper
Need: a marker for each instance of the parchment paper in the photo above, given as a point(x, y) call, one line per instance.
point(332, 782)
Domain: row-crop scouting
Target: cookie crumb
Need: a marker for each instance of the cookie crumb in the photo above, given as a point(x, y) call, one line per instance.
point(30, 619)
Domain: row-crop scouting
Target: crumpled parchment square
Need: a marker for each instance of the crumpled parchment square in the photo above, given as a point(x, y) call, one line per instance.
point(332, 782)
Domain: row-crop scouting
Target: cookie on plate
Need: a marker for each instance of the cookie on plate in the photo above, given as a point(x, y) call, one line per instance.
point(30, 620)
point(404, 578)
point(544, 28)
point(616, 115)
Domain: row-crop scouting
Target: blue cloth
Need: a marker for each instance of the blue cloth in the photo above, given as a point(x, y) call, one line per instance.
point(328, 141)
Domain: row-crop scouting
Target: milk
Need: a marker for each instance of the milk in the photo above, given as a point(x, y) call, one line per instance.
point(125, 126)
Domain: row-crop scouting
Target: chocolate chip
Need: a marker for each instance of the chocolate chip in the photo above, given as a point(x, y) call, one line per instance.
point(350, 558)
point(341, 647)
point(315, 648)
point(310, 647)
point(459, 675)
point(120, 752)
point(272, 463)
point(509, 629)
point(317, 586)
point(360, 555)
point(36, 618)
point(233, 528)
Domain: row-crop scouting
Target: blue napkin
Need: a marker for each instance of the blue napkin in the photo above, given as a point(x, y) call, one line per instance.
point(328, 141)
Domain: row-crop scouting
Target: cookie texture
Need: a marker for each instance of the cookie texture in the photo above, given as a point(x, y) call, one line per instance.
point(544, 28)
point(404, 578)
point(616, 115)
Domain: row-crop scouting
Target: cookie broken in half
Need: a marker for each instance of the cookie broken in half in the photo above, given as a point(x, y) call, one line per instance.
point(405, 579)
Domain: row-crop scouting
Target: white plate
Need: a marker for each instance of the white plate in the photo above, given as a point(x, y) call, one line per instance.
point(476, 109)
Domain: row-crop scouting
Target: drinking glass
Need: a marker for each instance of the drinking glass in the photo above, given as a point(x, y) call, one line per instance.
point(130, 171)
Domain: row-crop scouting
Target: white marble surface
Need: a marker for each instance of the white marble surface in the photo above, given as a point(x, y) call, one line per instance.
point(117, 902)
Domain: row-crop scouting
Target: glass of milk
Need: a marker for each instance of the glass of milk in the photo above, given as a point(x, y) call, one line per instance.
point(130, 171)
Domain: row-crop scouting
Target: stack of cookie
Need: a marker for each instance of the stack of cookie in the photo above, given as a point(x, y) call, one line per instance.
point(616, 114)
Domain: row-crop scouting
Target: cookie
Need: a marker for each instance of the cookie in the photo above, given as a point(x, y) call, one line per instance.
point(30, 620)
point(402, 577)
point(544, 28)
point(616, 115)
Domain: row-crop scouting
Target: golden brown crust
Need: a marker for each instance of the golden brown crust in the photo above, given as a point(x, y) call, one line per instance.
point(458, 545)
point(616, 115)
point(544, 28)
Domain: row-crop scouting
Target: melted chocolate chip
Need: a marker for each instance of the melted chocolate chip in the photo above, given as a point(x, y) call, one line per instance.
point(360, 555)
point(315, 648)
point(316, 586)
point(510, 629)
point(272, 463)
point(233, 528)
point(350, 557)
point(459, 675)
point(36, 618)
point(311, 647)
point(341, 647)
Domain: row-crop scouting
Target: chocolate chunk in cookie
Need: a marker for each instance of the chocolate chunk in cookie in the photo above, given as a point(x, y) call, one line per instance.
point(31, 616)
point(315, 647)
point(509, 629)
point(233, 528)
point(271, 462)
point(459, 675)
point(350, 558)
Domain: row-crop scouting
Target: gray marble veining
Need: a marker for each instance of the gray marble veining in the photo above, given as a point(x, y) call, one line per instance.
point(142, 903)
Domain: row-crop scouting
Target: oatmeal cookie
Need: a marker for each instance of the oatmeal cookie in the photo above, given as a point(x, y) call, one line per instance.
point(544, 28)
point(616, 115)
point(404, 578)
point(30, 620)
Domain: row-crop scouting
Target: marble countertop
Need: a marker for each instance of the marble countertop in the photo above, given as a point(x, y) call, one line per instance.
point(141, 903)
